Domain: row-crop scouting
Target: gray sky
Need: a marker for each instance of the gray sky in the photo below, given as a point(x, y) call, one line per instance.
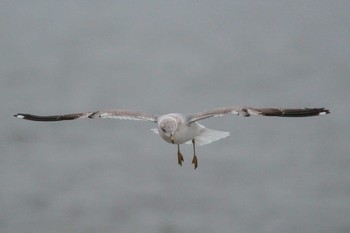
point(271, 175)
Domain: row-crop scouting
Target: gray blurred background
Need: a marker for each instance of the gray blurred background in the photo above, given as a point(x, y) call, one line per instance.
point(271, 175)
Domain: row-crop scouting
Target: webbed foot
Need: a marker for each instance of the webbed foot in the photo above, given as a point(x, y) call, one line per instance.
point(180, 157)
point(195, 161)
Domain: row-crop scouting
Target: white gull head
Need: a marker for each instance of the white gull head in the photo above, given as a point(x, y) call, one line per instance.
point(167, 127)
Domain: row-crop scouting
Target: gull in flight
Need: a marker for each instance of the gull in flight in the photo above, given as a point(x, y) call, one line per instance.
point(178, 128)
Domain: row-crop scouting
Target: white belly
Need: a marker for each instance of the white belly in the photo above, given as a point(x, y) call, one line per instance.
point(184, 134)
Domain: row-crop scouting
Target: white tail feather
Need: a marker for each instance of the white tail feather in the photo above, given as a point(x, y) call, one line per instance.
point(209, 136)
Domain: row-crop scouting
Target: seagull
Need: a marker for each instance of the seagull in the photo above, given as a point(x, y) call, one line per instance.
point(179, 128)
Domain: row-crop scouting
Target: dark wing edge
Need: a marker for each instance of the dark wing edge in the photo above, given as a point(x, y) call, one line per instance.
point(248, 111)
point(66, 117)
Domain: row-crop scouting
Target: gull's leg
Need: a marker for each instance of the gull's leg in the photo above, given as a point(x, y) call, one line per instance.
point(180, 158)
point(194, 160)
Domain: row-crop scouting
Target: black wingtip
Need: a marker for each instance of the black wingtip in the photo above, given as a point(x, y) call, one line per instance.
point(30, 117)
point(310, 112)
point(294, 112)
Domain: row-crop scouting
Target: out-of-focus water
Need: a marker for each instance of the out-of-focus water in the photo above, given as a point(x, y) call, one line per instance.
point(271, 175)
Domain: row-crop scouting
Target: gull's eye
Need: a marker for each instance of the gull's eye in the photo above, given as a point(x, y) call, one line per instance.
point(163, 129)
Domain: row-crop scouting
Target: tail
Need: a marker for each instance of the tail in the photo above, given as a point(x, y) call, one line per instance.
point(209, 136)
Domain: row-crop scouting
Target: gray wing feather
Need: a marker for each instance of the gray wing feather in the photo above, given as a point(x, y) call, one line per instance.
point(124, 115)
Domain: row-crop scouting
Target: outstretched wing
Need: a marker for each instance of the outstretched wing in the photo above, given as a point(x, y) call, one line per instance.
point(117, 114)
point(247, 111)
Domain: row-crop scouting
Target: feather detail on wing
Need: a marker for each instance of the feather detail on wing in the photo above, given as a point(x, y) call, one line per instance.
point(116, 114)
point(124, 115)
point(247, 111)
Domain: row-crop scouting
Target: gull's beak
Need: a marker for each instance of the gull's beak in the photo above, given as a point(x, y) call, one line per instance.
point(172, 139)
